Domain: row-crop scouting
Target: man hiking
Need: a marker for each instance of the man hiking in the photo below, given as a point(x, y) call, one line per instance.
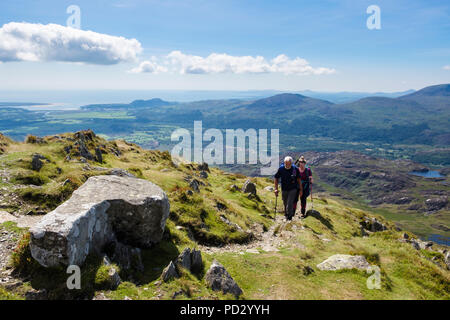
point(306, 182)
point(291, 186)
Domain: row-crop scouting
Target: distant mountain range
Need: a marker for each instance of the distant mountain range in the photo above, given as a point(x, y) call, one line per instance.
point(345, 97)
point(416, 123)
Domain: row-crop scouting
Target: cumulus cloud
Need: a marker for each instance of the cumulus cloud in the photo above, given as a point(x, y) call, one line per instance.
point(53, 42)
point(446, 67)
point(224, 63)
point(218, 63)
point(149, 67)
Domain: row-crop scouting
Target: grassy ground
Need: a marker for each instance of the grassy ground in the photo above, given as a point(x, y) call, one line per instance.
point(195, 220)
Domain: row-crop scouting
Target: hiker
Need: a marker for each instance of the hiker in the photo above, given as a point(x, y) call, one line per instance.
point(291, 187)
point(306, 182)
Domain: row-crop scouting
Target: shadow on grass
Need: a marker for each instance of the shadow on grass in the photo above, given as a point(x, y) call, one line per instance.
point(156, 259)
point(316, 214)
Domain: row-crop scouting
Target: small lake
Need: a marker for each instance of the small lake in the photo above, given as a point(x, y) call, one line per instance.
point(427, 174)
point(439, 239)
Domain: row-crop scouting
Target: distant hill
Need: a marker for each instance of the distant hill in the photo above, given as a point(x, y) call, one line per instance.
point(286, 101)
point(155, 102)
point(440, 90)
point(280, 106)
point(152, 103)
point(435, 98)
point(347, 97)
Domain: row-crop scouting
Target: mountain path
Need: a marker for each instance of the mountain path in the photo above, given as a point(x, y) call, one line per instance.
point(281, 234)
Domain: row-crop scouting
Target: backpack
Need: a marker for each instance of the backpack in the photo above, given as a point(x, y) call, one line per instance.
point(306, 183)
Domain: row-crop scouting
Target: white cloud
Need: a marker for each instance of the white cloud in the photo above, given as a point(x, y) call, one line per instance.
point(224, 63)
point(53, 42)
point(284, 64)
point(446, 67)
point(149, 67)
point(218, 63)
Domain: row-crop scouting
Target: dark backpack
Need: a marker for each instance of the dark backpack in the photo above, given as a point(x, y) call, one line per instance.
point(306, 183)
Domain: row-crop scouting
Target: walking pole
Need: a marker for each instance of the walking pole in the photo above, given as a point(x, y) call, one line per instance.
point(312, 202)
point(276, 198)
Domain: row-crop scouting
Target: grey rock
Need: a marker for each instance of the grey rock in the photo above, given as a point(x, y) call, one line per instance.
point(203, 167)
point(344, 261)
point(249, 187)
point(177, 293)
point(234, 187)
point(184, 259)
point(218, 279)
point(373, 225)
point(106, 209)
point(98, 155)
point(203, 174)
point(403, 200)
point(447, 259)
point(170, 272)
point(435, 204)
point(195, 185)
point(36, 163)
point(307, 270)
point(121, 173)
point(415, 244)
point(196, 261)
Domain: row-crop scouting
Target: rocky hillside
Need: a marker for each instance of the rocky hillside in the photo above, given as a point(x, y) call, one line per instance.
point(416, 203)
point(142, 227)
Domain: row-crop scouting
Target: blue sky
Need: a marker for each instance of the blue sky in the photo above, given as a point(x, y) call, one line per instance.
point(411, 50)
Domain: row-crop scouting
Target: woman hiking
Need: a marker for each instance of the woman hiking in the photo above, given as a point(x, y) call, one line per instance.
point(306, 181)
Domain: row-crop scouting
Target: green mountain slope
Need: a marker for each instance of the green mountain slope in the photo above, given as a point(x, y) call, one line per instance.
point(268, 257)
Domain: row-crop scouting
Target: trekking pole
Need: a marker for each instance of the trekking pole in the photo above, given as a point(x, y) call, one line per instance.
point(312, 202)
point(276, 198)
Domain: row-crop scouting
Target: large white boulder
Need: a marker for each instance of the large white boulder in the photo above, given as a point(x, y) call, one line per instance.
point(105, 209)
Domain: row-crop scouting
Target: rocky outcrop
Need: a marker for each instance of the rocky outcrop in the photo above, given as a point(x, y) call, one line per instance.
point(418, 244)
point(435, 204)
point(203, 174)
point(170, 272)
point(121, 173)
point(105, 210)
point(190, 260)
point(98, 155)
point(373, 225)
point(344, 261)
point(218, 279)
point(184, 259)
point(36, 162)
point(195, 185)
point(249, 187)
